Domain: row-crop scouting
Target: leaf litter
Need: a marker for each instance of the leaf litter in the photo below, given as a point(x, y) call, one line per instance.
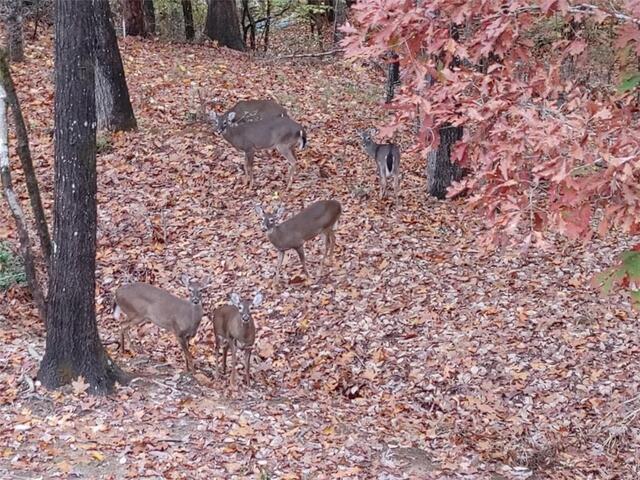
point(419, 355)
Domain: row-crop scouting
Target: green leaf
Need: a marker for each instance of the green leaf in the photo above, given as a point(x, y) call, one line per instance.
point(635, 297)
point(631, 264)
point(629, 82)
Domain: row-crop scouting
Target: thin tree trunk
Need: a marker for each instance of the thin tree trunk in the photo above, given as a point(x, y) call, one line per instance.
point(223, 24)
point(133, 17)
point(73, 346)
point(393, 75)
point(114, 110)
point(149, 13)
point(16, 210)
point(251, 27)
point(24, 153)
point(267, 26)
point(14, 30)
point(440, 171)
point(339, 17)
point(187, 11)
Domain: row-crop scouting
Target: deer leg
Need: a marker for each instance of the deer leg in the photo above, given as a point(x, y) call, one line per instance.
point(300, 251)
point(281, 255)
point(233, 362)
point(184, 344)
point(290, 155)
point(247, 359)
point(225, 349)
point(248, 167)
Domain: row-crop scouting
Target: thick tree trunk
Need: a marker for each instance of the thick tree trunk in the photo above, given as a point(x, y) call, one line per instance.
point(440, 171)
point(73, 346)
point(133, 17)
point(113, 105)
point(16, 209)
point(14, 30)
point(187, 11)
point(149, 16)
point(24, 153)
point(223, 24)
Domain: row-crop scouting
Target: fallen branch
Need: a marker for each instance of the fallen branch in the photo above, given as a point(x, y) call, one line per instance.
point(16, 209)
point(310, 55)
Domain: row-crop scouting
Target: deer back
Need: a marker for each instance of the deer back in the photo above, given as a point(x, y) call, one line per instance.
point(306, 224)
point(255, 110)
point(141, 300)
point(278, 132)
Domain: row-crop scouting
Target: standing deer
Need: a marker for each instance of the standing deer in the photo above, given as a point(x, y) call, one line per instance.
point(142, 302)
point(233, 326)
point(387, 158)
point(280, 133)
point(318, 218)
point(246, 111)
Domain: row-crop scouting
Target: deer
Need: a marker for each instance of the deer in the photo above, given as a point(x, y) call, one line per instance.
point(234, 327)
point(318, 218)
point(246, 111)
point(387, 158)
point(141, 302)
point(281, 133)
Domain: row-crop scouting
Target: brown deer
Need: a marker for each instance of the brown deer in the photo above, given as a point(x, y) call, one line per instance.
point(318, 218)
point(142, 302)
point(387, 158)
point(280, 133)
point(233, 326)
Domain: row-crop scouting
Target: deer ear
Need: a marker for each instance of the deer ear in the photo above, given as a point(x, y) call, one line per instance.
point(259, 210)
point(235, 300)
point(231, 116)
point(257, 300)
point(280, 211)
point(184, 278)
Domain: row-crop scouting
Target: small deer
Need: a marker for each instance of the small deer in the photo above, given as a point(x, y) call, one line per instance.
point(142, 302)
point(387, 157)
point(318, 218)
point(280, 133)
point(233, 326)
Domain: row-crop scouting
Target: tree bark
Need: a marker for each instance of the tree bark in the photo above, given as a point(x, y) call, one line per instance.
point(393, 75)
point(133, 17)
point(14, 30)
point(24, 153)
point(73, 346)
point(187, 11)
point(223, 24)
point(339, 17)
point(250, 27)
point(149, 13)
point(16, 209)
point(440, 171)
point(267, 27)
point(114, 109)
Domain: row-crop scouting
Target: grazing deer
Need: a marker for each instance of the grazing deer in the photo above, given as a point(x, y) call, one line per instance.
point(246, 111)
point(233, 326)
point(318, 218)
point(142, 302)
point(387, 158)
point(280, 133)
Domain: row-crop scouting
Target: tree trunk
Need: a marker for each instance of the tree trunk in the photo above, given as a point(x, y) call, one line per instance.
point(340, 16)
point(440, 171)
point(223, 25)
point(24, 153)
point(133, 17)
point(267, 27)
point(16, 209)
point(73, 346)
point(113, 105)
point(187, 10)
point(14, 30)
point(149, 13)
point(250, 27)
point(393, 75)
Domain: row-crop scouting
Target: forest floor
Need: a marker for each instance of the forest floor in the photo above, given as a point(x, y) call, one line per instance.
point(419, 355)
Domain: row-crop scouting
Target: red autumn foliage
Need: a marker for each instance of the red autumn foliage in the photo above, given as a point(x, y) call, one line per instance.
point(552, 143)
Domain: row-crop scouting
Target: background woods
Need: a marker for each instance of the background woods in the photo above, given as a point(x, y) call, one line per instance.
point(454, 183)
